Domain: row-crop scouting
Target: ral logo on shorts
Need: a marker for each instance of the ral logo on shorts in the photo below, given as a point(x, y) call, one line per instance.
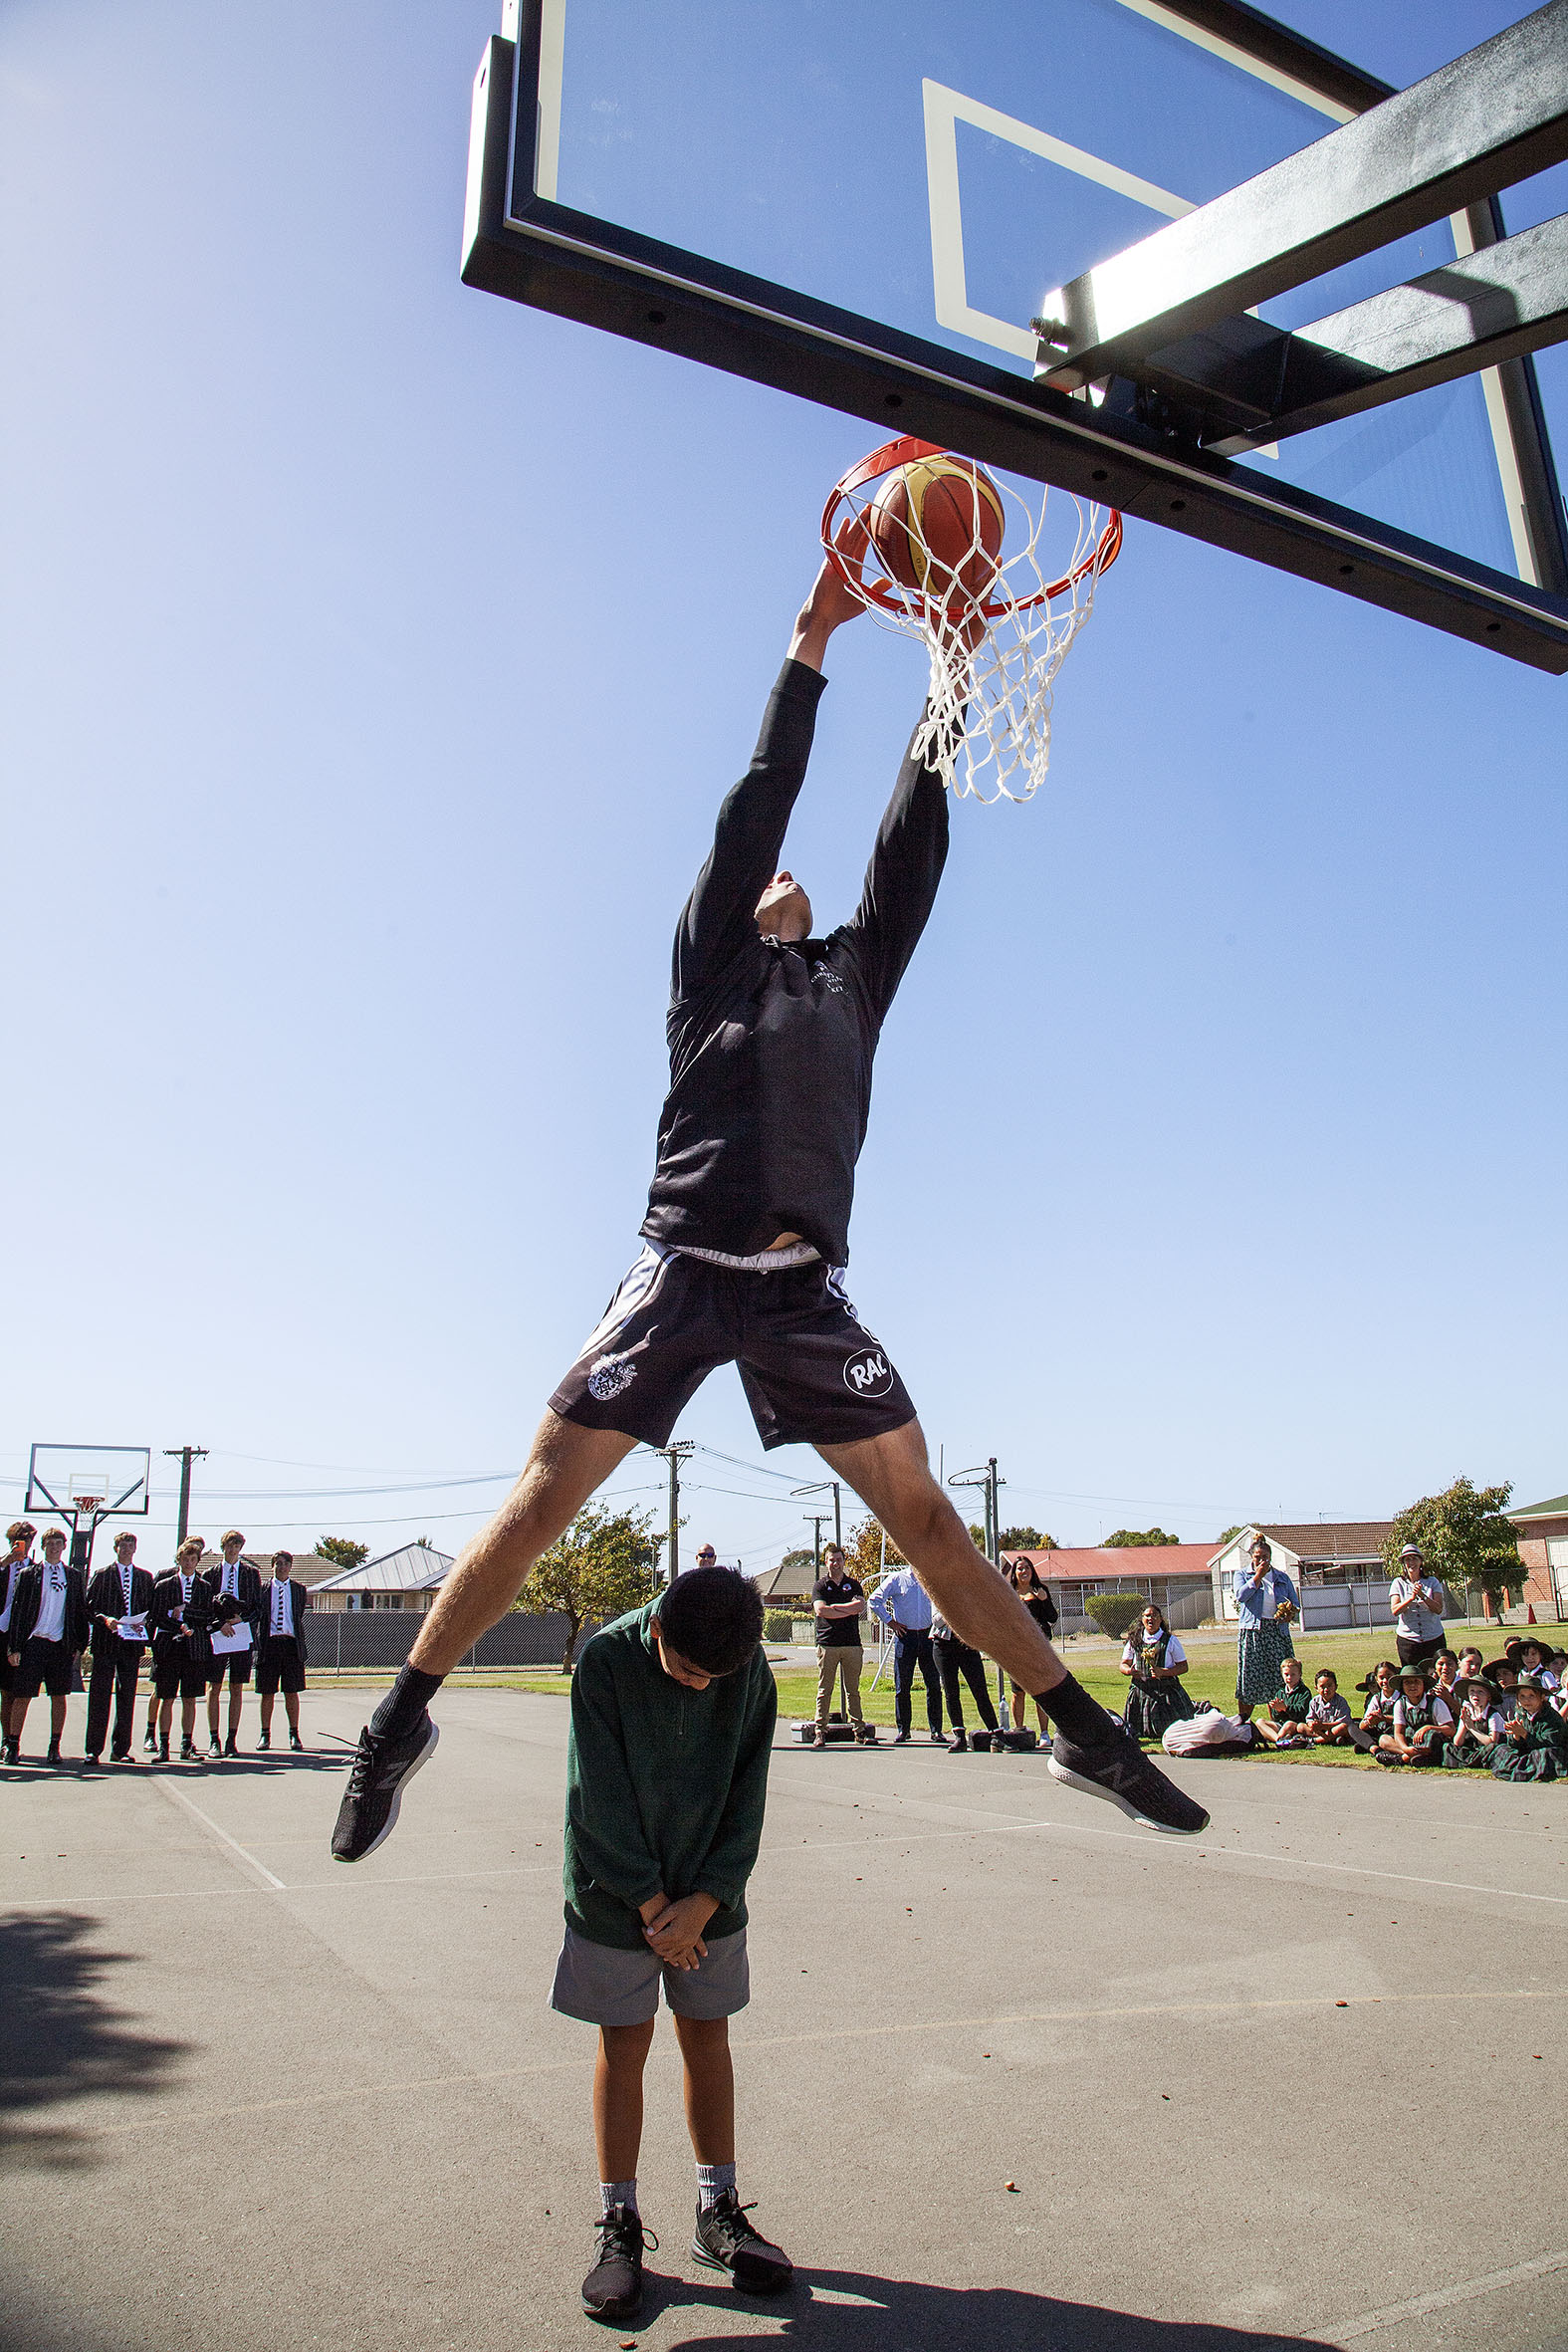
point(869, 1373)
point(609, 1375)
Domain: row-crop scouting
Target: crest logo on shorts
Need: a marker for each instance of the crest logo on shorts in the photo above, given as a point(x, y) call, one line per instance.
point(609, 1375)
point(869, 1373)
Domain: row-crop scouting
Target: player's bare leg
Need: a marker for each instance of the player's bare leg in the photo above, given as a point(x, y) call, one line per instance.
point(1092, 1752)
point(565, 1466)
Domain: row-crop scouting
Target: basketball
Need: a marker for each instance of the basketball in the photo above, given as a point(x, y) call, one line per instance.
point(937, 523)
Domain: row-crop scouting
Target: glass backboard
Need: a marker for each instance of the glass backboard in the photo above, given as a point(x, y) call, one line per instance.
point(105, 1482)
point(912, 178)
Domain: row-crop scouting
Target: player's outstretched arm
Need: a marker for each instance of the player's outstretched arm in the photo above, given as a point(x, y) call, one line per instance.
point(826, 608)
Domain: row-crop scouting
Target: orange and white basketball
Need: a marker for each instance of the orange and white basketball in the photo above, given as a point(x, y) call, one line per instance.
point(937, 525)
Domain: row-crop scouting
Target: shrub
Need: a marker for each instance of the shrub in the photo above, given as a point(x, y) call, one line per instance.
point(778, 1625)
point(1114, 1612)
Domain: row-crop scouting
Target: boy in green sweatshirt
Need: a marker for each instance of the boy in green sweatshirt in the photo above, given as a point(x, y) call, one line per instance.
point(672, 1725)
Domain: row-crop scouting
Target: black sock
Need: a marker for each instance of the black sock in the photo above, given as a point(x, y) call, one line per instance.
point(1076, 1716)
point(405, 1703)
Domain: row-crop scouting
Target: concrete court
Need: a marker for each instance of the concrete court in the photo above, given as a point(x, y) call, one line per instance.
point(259, 2101)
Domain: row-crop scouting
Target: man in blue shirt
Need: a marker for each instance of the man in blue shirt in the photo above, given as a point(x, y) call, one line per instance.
point(900, 1601)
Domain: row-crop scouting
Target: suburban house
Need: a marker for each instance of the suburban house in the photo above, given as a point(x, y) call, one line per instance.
point(1543, 1548)
point(408, 1579)
point(1175, 1576)
point(1337, 1566)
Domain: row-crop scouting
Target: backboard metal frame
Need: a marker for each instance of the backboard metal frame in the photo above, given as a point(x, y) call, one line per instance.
point(53, 1471)
point(536, 251)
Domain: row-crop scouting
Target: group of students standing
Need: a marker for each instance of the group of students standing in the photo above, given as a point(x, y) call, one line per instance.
point(203, 1628)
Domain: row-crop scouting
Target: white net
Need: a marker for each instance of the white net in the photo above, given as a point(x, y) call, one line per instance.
point(996, 626)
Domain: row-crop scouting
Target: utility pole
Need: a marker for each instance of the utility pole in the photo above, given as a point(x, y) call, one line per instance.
point(817, 1517)
point(984, 1476)
point(674, 1454)
point(822, 1488)
point(185, 1456)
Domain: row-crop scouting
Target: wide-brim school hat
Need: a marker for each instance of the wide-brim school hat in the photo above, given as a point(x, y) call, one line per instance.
point(1413, 1674)
point(1470, 1684)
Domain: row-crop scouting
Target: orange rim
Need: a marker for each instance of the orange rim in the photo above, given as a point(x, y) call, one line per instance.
point(882, 591)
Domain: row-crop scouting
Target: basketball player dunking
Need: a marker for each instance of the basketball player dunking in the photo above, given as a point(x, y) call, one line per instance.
point(771, 1034)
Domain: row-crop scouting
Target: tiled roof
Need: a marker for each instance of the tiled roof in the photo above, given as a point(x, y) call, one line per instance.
point(1095, 1562)
point(1555, 1507)
point(1356, 1538)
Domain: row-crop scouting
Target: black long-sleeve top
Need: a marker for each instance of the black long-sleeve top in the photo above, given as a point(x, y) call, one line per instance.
point(771, 1043)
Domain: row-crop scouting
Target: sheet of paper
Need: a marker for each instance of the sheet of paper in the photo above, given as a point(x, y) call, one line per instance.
point(133, 1628)
point(238, 1637)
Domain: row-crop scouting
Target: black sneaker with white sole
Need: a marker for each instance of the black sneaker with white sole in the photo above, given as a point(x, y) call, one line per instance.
point(381, 1771)
point(1119, 1771)
point(726, 2241)
point(613, 2289)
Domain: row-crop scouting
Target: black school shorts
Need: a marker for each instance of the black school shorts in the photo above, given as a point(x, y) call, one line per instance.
point(46, 1666)
point(811, 1371)
point(176, 1675)
point(232, 1666)
point(277, 1667)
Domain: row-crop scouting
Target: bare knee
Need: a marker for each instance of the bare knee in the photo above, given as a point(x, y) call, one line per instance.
point(703, 2039)
point(624, 2048)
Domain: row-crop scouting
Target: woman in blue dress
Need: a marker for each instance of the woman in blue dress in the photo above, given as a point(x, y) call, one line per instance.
point(1266, 1604)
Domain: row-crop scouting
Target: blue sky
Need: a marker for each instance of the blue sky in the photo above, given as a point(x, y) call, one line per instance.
point(373, 655)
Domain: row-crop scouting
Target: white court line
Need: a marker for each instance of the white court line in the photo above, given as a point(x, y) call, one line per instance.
point(1443, 2296)
point(162, 1782)
point(1188, 1850)
point(297, 1885)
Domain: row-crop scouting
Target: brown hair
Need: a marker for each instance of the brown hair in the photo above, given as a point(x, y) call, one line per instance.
point(20, 1529)
point(233, 1537)
point(126, 1536)
point(52, 1536)
point(286, 1557)
point(193, 1548)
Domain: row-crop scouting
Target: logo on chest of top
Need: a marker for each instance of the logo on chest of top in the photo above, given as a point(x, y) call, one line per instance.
point(869, 1373)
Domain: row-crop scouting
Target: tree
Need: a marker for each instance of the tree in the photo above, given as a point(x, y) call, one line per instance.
point(1235, 1530)
point(1114, 1613)
point(1465, 1538)
point(1025, 1539)
point(600, 1567)
point(1125, 1537)
point(341, 1551)
point(863, 1553)
point(802, 1558)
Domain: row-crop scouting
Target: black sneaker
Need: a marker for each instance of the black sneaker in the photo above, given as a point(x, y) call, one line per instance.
point(381, 1771)
point(54, 1753)
point(1119, 1771)
point(90, 1761)
point(11, 1753)
point(163, 1751)
point(900, 1739)
point(613, 2289)
point(187, 1751)
point(231, 1745)
point(726, 2241)
point(296, 1743)
point(937, 1739)
point(263, 1743)
point(960, 1746)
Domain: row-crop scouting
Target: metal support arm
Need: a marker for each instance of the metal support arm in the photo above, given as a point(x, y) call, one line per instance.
point(1485, 122)
point(1244, 383)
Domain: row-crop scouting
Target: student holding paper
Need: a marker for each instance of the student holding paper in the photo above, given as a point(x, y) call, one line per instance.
point(236, 1614)
point(118, 1600)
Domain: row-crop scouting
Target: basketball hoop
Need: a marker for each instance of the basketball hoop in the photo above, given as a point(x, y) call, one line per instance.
point(86, 1504)
point(995, 651)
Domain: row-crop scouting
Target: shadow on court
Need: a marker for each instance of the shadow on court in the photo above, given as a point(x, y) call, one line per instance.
point(61, 2039)
point(844, 2311)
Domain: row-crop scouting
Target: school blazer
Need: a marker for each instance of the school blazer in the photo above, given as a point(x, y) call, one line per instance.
point(106, 1597)
point(300, 1602)
point(247, 1591)
point(30, 1600)
point(169, 1639)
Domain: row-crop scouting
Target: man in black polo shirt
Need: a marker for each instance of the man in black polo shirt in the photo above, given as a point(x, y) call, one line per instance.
point(771, 1029)
point(838, 1602)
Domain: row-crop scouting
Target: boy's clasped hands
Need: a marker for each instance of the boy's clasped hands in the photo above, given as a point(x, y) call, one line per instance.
point(674, 1930)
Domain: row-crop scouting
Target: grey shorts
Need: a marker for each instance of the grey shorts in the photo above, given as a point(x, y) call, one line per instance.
point(604, 1985)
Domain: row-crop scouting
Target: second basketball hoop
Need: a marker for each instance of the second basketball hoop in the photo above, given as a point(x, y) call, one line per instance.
point(939, 549)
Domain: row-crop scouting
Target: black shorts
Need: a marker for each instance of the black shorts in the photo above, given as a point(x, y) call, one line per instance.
point(811, 1371)
point(277, 1667)
point(175, 1674)
point(45, 1665)
point(232, 1666)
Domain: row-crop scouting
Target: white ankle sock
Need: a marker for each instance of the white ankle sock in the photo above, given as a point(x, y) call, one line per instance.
point(613, 2193)
point(712, 2182)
